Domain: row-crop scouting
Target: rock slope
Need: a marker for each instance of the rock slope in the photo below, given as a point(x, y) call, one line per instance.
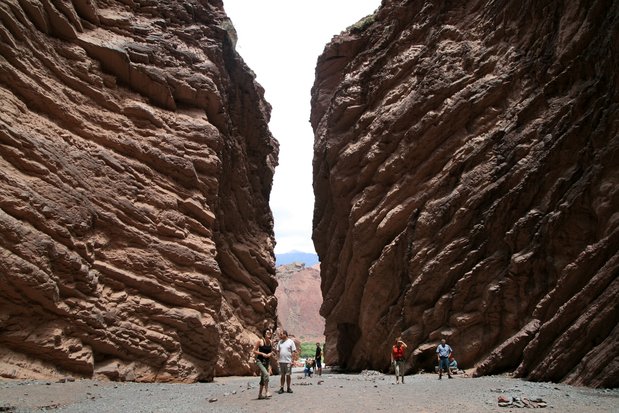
point(299, 300)
point(136, 240)
point(467, 187)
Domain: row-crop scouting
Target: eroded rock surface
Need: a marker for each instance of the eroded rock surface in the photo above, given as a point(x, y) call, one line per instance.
point(467, 185)
point(298, 301)
point(136, 240)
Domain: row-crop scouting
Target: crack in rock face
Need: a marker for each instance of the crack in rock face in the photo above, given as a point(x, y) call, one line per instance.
point(467, 188)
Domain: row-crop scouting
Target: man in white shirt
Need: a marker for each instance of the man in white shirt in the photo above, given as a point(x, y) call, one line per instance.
point(286, 349)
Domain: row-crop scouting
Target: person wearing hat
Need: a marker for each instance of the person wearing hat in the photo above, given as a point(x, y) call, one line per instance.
point(397, 359)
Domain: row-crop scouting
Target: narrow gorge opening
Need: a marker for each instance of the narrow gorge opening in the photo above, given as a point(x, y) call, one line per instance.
point(462, 157)
point(281, 43)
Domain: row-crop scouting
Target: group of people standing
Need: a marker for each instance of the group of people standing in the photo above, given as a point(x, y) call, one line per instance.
point(443, 356)
point(313, 365)
point(285, 348)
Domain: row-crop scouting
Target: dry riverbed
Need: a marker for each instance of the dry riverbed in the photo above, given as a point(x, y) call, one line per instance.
point(365, 392)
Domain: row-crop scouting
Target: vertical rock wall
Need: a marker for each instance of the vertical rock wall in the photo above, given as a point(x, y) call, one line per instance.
point(136, 240)
point(467, 186)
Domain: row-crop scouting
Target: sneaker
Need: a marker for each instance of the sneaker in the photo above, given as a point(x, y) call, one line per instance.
point(451, 377)
point(288, 391)
point(281, 391)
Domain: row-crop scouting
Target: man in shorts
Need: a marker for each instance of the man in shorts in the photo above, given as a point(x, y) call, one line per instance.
point(443, 351)
point(286, 349)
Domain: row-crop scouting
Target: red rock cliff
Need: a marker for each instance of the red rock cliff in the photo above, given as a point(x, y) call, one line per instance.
point(467, 187)
point(299, 300)
point(136, 240)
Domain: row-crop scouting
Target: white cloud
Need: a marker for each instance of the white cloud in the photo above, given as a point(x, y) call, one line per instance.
point(280, 40)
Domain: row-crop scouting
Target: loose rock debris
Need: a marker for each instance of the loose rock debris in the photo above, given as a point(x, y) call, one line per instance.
point(534, 403)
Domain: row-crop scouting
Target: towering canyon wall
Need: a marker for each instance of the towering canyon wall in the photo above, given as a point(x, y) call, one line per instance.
point(467, 186)
point(136, 240)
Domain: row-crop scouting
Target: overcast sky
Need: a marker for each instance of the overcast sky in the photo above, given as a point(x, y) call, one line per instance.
point(280, 41)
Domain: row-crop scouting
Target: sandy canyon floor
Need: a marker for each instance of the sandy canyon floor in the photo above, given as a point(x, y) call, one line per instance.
point(364, 392)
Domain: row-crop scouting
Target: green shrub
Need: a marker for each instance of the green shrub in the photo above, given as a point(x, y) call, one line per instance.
point(362, 24)
point(308, 350)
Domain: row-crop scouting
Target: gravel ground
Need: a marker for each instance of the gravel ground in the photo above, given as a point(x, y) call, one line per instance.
point(364, 392)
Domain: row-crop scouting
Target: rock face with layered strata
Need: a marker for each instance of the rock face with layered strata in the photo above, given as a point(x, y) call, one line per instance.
point(467, 187)
point(136, 240)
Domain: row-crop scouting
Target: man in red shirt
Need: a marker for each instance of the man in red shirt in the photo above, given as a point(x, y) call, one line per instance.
point(397, 359)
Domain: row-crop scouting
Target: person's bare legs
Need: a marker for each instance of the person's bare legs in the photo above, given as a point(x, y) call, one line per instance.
point(288, 380)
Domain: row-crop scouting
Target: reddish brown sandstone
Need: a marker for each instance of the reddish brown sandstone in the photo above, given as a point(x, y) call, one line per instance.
point(135, 169)
point(467, 186)
point(299, 300)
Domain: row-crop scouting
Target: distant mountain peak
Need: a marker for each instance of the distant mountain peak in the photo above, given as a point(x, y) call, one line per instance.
point(307, 258)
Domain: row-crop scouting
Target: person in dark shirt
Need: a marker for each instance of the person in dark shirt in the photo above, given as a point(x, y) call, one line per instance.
point(318, 359)
point(263, 350)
